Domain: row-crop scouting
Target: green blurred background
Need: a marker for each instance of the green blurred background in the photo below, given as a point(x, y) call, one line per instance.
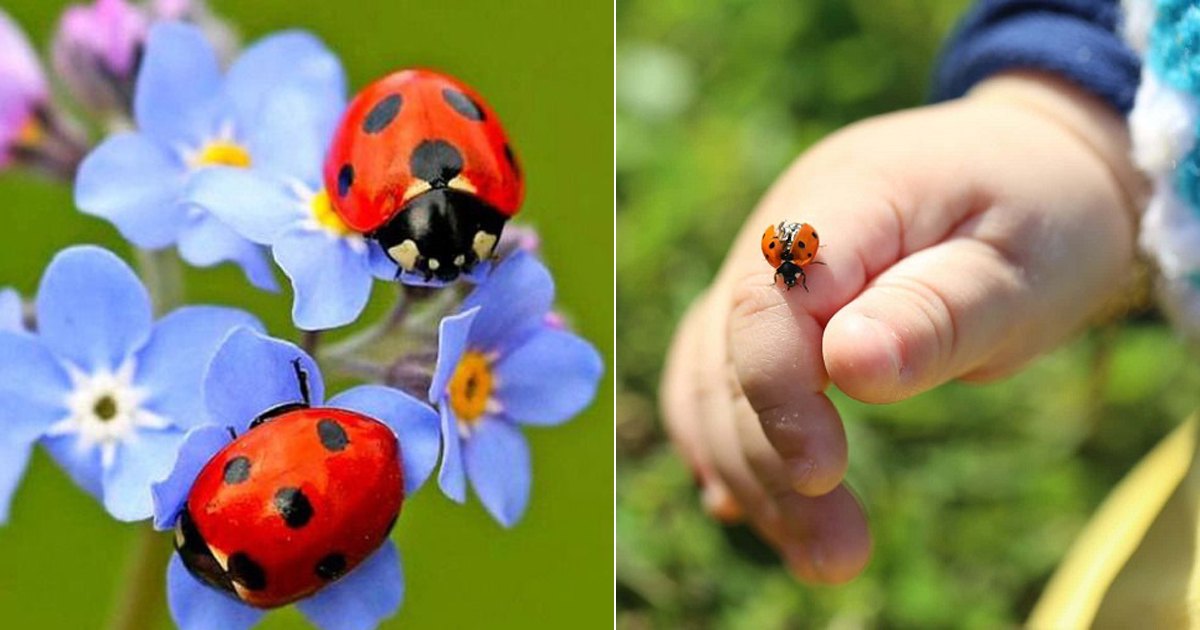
point(974, 492)
point(548, 74)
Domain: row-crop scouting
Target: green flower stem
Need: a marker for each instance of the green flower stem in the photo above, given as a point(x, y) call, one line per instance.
point(141, 601)
point(162, 273)
point(310, 341)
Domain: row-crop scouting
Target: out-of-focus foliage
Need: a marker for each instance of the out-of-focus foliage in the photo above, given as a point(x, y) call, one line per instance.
point(974, 492)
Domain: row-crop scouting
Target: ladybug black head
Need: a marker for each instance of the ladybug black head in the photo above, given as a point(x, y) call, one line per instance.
point(441, 233)
point(790, 271)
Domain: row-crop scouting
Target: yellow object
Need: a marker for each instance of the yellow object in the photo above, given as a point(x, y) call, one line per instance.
point(221, 153)
point(325, 216)
point(1136, 564)
point(471, 386)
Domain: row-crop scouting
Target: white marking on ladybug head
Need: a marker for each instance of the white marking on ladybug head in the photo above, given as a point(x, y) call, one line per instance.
point(405, 254)
point(417, 187)
point(483, 245)
point(434, 264)
point(461, 183)
point(460, 260)
point(180, 539)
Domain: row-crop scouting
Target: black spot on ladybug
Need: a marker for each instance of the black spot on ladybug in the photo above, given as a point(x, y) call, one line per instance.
point(333, 436)
point(801, 244)
point(815, 234)
point(331, 567)
point(382, 114)
point(237, 470)
point(345, 179)
point(772, 245)
point(294, 507)
point(512, 159)
point(247, 572)
point(463, 104)
point(435, 161)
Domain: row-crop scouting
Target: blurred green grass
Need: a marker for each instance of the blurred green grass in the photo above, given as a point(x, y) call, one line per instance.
point(546, 69)
point(974, 492)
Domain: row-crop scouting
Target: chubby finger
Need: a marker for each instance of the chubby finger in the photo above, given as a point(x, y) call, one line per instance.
point(823, 538)
point(681, 411)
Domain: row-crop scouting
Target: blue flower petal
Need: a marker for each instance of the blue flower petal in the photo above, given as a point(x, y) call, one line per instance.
point(12, 311)
point(138, 464)
point(548, 379)
point(29, 372)
point(382, 267)
point(251, 373)
point(207, 241)
point(134, 183)
point(331, 281)
point(513, 302)
point(23, 420)
point(366, 596)
point(172, 365)
point(14, 457)
point(92, 309)
point(293, 129)
point(195, 606)
point(178, 78)
point(415, 424)
point(170, 494)
point(294, 59)
point(451, 478)
point(82, 466)
point(497, 459)
point(452, 343)
point(252, 204)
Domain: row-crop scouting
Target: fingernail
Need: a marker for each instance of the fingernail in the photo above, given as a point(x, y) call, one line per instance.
point(800, 470)
point(886, 339)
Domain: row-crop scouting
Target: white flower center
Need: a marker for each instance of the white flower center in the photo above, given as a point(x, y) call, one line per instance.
point(104, 409)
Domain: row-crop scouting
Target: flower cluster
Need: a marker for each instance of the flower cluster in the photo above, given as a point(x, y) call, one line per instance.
point(150, 412)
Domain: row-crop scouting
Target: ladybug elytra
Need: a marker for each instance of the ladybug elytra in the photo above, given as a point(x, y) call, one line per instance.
point(421, 164)
point(789, 247)
point(296, 502)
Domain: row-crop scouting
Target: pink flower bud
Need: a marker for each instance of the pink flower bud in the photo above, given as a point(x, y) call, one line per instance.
point(22, 89)
point(96, 51)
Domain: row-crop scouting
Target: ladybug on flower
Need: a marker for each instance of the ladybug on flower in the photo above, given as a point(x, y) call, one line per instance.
point(421, 164)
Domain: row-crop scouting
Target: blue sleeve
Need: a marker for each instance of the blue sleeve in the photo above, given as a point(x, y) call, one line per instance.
point(1076, 39)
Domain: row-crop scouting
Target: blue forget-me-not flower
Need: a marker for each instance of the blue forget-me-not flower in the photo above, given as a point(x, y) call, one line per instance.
point(109, 391)
point(192, 119)
point(501, 365)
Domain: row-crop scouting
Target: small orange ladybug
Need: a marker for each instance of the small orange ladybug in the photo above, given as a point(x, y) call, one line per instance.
point(789, 247)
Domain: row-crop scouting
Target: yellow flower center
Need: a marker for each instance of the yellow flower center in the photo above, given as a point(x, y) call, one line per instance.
point(325, 215)
point(221, 153)
point(471, 386)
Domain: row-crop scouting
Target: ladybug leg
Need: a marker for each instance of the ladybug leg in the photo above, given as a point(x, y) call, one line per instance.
point(302, 377)
point(803, 280)
point(280, 409)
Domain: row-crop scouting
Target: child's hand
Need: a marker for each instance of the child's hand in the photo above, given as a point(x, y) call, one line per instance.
point(961, 240)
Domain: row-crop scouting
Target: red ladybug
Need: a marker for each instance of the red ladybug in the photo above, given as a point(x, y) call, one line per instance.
point(292, 504)
point(420, 163)
point(789, 247)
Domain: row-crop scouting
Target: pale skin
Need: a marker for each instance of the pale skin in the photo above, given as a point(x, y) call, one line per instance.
point(961, 240)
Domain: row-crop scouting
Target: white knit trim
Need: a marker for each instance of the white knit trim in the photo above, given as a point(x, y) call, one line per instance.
point(1171, 231)
point(1162, 125)
point(1137, 18)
